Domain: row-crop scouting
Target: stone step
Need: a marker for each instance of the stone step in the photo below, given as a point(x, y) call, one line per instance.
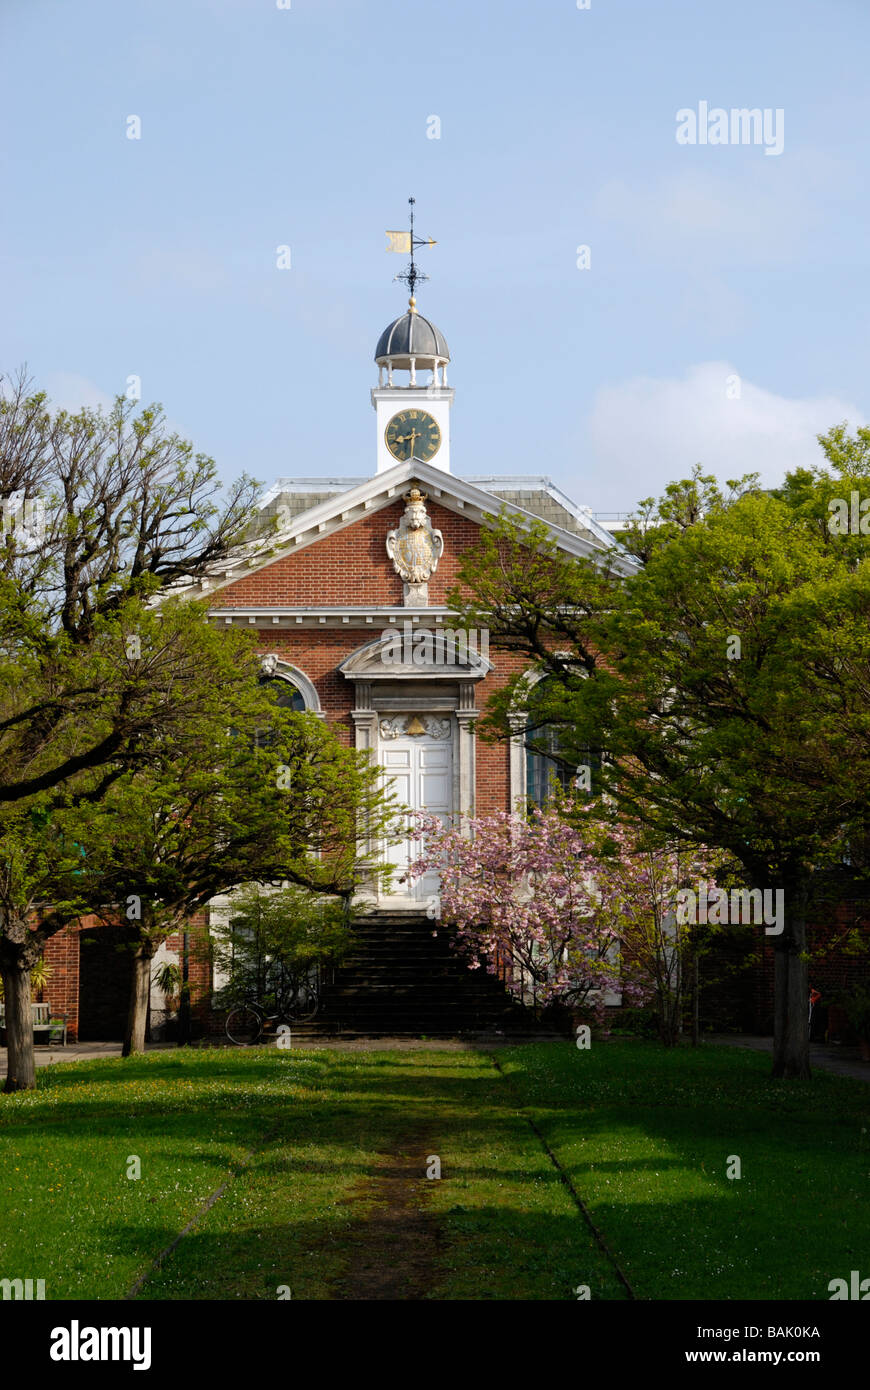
point(410, 950)
point(364, 1004)
point(402, 977)
point(404, 970)
point(427, 1023)
point(402, 1008)
point(399, 988)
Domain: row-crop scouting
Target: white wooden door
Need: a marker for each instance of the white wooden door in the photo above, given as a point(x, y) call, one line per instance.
point(419, 771)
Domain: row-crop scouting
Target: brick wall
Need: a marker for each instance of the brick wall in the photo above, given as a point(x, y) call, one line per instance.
point(741, 999)
point(351, 566)
point(833, 971)
point(109, 969)
point(62, 989)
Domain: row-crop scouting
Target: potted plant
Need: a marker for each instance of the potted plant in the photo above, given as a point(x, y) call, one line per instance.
point(857, 1006)
point(39, 978)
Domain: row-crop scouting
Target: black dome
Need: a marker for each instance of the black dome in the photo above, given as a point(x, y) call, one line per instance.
point(411, 336)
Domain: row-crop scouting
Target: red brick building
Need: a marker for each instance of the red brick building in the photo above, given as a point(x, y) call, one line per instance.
point(349, 602)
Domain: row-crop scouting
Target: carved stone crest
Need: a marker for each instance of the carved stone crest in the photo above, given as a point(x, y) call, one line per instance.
point(415, 726)
point(415, 548)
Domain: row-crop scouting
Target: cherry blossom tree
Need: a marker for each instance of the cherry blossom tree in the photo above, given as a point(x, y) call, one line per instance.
point(567, 906)
point(638, 880)
point(520, 894)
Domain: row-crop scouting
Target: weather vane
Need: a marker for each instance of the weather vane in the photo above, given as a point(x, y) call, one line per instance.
point(403, 243)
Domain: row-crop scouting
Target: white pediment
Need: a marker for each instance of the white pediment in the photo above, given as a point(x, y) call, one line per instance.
point(415, 652)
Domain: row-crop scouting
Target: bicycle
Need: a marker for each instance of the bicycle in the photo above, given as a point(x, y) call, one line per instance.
point(298, 1003)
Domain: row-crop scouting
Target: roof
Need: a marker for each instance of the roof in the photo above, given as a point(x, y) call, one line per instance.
point(412, 335)
point(341, 506)
point(541, 496)
point(290, 497)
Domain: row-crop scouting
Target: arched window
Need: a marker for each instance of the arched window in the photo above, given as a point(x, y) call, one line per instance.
point(548, 765)
point(285, 693)
point(543, 770)
point(282, 678)
point(286, 696)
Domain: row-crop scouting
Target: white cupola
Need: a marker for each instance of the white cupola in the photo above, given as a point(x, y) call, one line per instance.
point(412, 399)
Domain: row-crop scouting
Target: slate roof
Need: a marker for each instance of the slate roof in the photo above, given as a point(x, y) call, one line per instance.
point(412, 335)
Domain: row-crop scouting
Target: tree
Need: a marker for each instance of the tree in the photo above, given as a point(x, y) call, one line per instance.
point(249, 792)
point(40, 892)
point(639, 881)
point(727, 681)
point(95, 678)
point(575, 901)
point(520, 891)
point(273, 936)
point(208, 673)
point(121, 509)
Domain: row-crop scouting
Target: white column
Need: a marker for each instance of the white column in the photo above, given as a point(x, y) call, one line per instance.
point(365, 728)
point(467, 757)
point(518, 761)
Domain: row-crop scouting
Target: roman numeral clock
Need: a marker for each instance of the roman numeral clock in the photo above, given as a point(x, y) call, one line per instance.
point(413, 434)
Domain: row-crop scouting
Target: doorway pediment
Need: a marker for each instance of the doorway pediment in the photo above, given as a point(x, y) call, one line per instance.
point(418, 653)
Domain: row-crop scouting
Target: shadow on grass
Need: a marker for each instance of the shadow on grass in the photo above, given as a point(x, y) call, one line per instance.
point(496, 1253)
point(644, 1134)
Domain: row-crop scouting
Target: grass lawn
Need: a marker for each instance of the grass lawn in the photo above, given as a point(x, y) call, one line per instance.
point(324, 1156)
point(645, 1135)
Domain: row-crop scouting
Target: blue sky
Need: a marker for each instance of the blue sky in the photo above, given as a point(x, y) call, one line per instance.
point(308, 126)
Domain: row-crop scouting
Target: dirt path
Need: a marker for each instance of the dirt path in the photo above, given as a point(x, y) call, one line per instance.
point(396, 1242)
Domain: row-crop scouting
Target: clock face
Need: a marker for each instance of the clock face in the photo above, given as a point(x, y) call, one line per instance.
point(413, 434)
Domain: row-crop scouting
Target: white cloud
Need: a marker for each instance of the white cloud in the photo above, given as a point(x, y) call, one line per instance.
point(648, 432)
point(744, 213)
point(69, 391)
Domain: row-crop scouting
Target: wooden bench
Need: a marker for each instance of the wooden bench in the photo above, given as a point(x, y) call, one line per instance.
point(42, 1024)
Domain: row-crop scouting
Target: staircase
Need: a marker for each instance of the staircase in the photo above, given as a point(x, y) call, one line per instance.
point(402, 978)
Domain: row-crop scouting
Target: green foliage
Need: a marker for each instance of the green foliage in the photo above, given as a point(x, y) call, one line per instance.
point(132, 778)
point(168, 979)
point(130, 511)
point(215, 813)
point(39, 977)
point(271, 937)
point(765, 756)
point(683, 504)
point(726, 681)
point(857, 1006)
